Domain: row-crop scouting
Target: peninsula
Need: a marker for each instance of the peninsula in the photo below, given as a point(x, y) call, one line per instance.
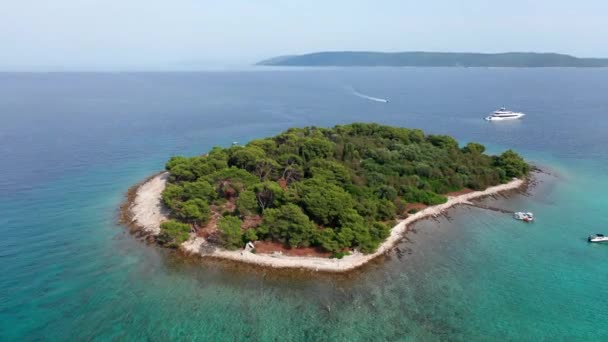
point(316, 198)
point(435, 59)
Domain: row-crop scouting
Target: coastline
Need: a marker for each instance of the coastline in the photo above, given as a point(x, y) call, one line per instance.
point(145, 211)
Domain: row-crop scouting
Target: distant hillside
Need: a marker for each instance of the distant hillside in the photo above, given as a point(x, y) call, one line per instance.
point(436, 59)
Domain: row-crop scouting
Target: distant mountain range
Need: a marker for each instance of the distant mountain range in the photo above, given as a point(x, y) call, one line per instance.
point(435, 59)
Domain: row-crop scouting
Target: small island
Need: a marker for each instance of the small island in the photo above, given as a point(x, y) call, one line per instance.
point(327, 199)
point(435, 59)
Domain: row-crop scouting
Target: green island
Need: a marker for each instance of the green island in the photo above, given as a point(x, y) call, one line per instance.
point(435, 59)
point(334, 189)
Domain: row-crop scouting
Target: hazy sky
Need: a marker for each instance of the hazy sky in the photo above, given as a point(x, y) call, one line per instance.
point(155, 34)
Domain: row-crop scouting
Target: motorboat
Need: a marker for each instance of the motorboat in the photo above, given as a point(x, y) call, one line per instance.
point(597, 238)
point(504, 114)
point(524, 216)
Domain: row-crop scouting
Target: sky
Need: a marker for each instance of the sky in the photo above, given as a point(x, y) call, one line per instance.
point(190, 34)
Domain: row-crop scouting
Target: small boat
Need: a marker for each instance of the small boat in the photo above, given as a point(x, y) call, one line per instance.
point(504, 114)
point(524, 216)
point(597, 238)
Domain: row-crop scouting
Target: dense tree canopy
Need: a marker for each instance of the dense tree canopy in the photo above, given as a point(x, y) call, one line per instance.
point(335, 188)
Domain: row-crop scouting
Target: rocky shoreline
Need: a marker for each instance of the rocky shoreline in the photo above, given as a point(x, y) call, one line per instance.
point(143, 212)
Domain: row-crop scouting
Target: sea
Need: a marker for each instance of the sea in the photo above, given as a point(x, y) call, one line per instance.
point(72, 144)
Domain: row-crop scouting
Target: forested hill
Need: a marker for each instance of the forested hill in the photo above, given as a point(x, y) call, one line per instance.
point(436, 59)
point(339, 188)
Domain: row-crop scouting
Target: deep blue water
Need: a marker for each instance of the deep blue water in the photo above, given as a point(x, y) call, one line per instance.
point(72, 144)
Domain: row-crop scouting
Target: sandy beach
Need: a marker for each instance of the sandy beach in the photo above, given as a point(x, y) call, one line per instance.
point(147, 212)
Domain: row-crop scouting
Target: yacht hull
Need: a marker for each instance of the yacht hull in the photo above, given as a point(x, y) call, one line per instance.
point(497, 118)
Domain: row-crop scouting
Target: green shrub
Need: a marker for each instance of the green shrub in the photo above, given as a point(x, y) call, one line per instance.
point(250, 235)
point(231, 235)
point(195, 210)
point(173, 233)
point(247, 203)
point(339, 255)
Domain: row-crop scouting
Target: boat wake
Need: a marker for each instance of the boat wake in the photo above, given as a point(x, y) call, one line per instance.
point(367, 97)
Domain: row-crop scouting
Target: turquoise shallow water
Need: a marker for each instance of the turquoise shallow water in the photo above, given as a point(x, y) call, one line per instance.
point(71, 144)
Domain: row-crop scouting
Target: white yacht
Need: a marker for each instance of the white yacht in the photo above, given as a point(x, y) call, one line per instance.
point(504, 114)
point(597, 238)
point(524, 216)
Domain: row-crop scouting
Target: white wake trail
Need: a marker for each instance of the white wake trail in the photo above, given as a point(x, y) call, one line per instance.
point(367, 97)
